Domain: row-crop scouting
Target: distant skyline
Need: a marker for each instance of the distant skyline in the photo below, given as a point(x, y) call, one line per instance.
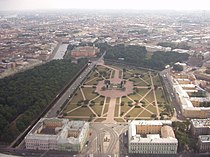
point(105, 4)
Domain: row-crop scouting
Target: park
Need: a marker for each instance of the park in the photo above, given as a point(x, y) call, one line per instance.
point(113, 93)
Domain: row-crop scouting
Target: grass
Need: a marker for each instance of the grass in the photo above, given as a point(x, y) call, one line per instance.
point(126, 75)
point(113, 72)
point(99, 99)
point(125, 108)
point(97, 108)
point(70, 107)
point(83, 111)
point(116, 110)
point(126, 100)
point(145, 114)
point(156, 80)
point(150, 96)
point(120, 74)
point(88, 93)
point(119, 119)
point(160, 95)
point(135, 80)
point(77, 97)
point(92, 82)
point(135, 97)
point(117, 100)
point(106, 108)
point(100, 119)
point(140, 83)
point(152, 109)
point(135, 112)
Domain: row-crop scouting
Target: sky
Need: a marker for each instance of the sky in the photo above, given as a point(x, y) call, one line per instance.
point(105, 4)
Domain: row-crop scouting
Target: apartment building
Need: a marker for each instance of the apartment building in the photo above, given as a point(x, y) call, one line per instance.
point(57, 134)
point(152, 137)
point(200, 126)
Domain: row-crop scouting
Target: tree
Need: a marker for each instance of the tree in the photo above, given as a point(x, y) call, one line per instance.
point(29, 93)
point(178, 67)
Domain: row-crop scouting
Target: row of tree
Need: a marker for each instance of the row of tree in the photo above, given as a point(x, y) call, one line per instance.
point(24, 95)
point(138, 55)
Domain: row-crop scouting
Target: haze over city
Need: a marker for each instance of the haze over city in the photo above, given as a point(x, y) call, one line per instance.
point(108, 4)
point(104, 78)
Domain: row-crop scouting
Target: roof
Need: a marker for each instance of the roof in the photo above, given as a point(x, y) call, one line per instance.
point(204, 138)
point(198, 123)
point(168, 137)
point(61, 135)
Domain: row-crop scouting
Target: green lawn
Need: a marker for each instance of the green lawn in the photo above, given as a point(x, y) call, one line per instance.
point(152, 109)
point(116, 110)
point(93, 79)
point(77, 97)
point(126, 75)
point(92, 82)
point(160, 95)
point(156, 80)
point(135, 97)
point(126, 100)
point(141, 83)
point(88, 93)
point(69, 107)
point(100, 119)
point(83, 111)
point(124, 109)
point(99, 99)
point(97, 108)
point(119, 120)
point(135, 112)
point(113, 72)
point(145, 114)
point(106, 108)
point(150, 96)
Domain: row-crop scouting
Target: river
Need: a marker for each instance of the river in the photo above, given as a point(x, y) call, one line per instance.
point(61, 51)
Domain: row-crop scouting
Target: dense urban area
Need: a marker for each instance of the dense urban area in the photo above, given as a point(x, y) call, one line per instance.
point(111, 83)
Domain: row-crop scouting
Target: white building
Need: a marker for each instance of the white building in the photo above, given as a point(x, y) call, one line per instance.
point(57, 134)
point(152, 137)
point(189, 105)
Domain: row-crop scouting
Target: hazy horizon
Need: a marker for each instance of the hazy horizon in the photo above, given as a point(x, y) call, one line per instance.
point(108, 4)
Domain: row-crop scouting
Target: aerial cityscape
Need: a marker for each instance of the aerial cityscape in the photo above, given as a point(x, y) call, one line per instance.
point(104, 81)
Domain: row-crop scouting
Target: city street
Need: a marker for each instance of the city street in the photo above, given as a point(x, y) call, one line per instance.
point(165, 75)
point(104, 139)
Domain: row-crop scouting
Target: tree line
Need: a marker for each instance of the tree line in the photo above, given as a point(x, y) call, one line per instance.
point(24, 95)
point(138, 55)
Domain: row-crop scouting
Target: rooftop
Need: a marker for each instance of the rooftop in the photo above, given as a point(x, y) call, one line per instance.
point(166, 136)
point(204, 138)
point(58, 129)
point(201, 122)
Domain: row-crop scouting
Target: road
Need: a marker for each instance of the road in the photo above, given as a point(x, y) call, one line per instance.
point(53, 112)
point(57, 106)
point(104, 139)
point(165, 75)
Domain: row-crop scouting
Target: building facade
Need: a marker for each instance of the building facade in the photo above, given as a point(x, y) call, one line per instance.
point(190, 106)
point(200, 126)
point(57, 134)
point(151, 137)
point(204, 143)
